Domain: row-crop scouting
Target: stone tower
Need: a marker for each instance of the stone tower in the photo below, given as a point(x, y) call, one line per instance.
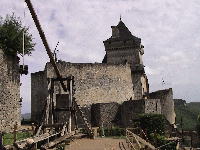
point(123, 47)
point(10, 112)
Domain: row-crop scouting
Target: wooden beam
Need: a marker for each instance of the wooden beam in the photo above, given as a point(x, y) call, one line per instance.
point(57, 141)
point(45, 43)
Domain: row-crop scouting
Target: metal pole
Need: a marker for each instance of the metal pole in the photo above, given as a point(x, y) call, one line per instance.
point(45, 43)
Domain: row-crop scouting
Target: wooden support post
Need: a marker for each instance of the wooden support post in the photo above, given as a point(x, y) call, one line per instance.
point(15, 132)
point(45, 43)
point(70, 105)
point(75, 120)
point(1, 140)
point(48, 103)
point(32, 128)
point(52, 102)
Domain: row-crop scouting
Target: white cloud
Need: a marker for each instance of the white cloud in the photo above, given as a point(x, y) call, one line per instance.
point(151, 71)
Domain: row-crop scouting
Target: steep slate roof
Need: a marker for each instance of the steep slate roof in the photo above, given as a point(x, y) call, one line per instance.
point(124, 34)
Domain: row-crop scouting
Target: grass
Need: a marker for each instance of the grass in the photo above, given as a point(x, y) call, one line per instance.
point(8, 138)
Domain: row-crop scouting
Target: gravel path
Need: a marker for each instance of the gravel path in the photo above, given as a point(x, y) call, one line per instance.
point(96, 144)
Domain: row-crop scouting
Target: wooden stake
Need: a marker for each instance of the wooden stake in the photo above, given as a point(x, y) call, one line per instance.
point(70, 106)
point(15, 132)
point(1, 140)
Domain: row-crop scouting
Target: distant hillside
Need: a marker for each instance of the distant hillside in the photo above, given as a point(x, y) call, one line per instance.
point(189, 113)
point(26, 116)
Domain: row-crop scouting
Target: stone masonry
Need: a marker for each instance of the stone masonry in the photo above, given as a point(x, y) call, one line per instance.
point(123, 47)
point(167, 103)
point(120, 77)
point(123, 114)
point(132, 108)
point(105, 114)
point(94, 83)
point(10, 112)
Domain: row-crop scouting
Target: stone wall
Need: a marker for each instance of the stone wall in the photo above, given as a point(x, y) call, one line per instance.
point(39, 95)
point(121, 56)
point(167, 103)
point(131, 109)
point(105, 114)
point(10, 108)
point(137, 85)
point(152, 106)
point(97, 83)
point(94, 83)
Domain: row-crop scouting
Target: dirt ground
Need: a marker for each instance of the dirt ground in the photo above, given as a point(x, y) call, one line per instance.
point(96, 144)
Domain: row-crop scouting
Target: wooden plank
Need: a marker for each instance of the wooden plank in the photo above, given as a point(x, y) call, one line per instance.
point(130, 143)
point(23, 143)
point(45, 43)
point(139, 139)
point(57, 141)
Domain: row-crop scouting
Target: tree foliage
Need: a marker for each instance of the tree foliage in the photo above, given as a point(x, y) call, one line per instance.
point(11, 36)
point(152, 123)
point(154, 127)
point(198, 125)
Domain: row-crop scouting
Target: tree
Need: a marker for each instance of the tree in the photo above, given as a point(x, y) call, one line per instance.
point(198, 125)
point(11, 36)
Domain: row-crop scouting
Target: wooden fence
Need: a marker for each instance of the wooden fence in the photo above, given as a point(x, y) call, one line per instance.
point(137, 143)
point(8, 138)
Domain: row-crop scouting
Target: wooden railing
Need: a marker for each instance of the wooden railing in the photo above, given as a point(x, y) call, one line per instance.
point(136, 143)
point(9, 138)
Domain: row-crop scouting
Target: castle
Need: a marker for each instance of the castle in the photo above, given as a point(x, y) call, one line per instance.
point(117, 85)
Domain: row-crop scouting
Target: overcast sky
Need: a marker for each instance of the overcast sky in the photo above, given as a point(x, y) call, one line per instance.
point(169, 29)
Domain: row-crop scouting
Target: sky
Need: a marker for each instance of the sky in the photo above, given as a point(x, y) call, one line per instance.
point(169, 30)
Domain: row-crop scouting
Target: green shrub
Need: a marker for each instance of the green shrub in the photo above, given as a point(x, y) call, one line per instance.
point(198, 125)
point(114, 131)
point(154, 126)
point(160, 140)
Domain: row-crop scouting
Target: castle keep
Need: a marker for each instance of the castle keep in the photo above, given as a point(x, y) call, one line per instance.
point(109, 90)
point(122, 47)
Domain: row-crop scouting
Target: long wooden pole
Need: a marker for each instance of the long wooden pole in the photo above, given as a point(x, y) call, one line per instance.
point(45, 43)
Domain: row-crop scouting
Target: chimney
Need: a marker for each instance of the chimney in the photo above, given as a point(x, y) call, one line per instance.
point(115, 32)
